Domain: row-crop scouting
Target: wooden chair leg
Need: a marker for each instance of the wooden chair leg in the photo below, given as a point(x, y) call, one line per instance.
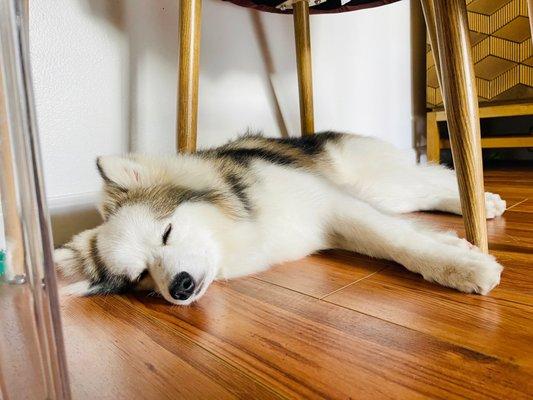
point(433, 138)
point(188, 67)
point(460, 101)
point(303, 63)
point(429, 16)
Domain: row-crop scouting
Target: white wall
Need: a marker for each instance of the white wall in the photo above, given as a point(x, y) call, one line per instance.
point(105, 79)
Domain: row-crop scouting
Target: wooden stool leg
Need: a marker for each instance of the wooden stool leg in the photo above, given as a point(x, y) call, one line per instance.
point(303, 63)
point(461, 104)
point(429, 16)
point(433, 138)
point(189, 59)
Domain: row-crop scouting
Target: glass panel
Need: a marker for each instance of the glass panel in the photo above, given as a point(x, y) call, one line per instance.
point(32, 361)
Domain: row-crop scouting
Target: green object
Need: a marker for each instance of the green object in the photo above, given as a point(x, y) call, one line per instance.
point(2, 262)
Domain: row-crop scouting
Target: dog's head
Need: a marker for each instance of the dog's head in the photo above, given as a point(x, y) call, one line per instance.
point(155, 235)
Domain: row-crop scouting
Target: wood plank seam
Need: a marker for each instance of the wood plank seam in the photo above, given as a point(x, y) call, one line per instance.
point(516, 204)
point(317, 297)
point(353, 283)
point(284, 287)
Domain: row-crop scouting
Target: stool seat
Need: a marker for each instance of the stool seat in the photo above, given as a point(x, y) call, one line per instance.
point(315, 6)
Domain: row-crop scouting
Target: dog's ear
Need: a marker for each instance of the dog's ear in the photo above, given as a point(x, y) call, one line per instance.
point(122, 172)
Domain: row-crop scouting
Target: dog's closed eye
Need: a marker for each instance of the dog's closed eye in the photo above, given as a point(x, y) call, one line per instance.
point(166, 234)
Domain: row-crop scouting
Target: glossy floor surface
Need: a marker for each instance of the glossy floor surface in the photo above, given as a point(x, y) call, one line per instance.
point(333, 325)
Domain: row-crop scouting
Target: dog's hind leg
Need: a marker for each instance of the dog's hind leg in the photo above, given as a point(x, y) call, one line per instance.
point(437, 256)
point(442, 189)
point(384, 177)
point(421, 188)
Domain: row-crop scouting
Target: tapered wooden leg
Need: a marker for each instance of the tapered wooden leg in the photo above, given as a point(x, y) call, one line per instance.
point(457, 80)
point(429, 16)
point(189, 59)
point(303, 63)
point(433, 138)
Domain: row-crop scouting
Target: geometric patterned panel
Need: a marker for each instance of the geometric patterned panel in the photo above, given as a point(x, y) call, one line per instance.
point(501, 50)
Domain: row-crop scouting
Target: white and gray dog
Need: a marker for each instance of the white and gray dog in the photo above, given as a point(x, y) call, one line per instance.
point(175, 224)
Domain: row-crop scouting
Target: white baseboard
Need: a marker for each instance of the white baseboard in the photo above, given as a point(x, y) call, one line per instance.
point(72, 214)
point(69, 215)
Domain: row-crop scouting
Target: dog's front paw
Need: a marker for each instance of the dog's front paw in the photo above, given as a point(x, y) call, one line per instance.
point(479, 275)
point(66, 261)
point(494, 205)
point(470, 271)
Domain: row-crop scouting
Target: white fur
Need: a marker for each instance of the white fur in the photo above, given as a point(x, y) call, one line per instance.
point(295, 211)
point(376, 172)
point(78, 288)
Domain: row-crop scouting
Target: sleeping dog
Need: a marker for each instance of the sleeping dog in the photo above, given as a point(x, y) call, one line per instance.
point(176, 224)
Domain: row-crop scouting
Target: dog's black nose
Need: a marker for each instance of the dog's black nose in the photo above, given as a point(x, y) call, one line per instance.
point(182, 286)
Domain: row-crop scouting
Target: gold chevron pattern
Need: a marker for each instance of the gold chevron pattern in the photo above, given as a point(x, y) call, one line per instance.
point(502, 52)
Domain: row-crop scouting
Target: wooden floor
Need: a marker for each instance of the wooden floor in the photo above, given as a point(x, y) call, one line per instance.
point(334, 325)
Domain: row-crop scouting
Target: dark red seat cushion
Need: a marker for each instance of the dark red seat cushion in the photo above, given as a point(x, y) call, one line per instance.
point(329, 6)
